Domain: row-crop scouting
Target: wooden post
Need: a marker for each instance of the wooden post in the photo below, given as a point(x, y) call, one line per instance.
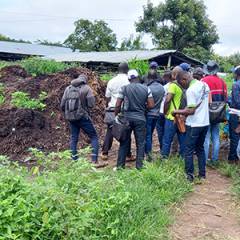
point(169, 61)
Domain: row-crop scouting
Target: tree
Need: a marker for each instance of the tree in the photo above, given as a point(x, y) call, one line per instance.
point(178, 24)
point(92, 36)
point(132, 43)
point(8, 39)
point(48, 43)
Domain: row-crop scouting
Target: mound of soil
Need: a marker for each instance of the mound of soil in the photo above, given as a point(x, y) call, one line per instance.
point(21, 129)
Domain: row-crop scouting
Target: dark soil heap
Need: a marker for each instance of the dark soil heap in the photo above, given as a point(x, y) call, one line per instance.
point(21, 129)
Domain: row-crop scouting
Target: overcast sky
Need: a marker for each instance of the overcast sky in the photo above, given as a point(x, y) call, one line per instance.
point(53, 19)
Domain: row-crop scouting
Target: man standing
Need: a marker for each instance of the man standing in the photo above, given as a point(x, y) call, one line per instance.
point(234, 119)
point(136, 98)
point(153, 115)
point(78, 98)
point(197, 123)
point(112, 91)
point(218, 90)
point(153, 68)
point(175, 100)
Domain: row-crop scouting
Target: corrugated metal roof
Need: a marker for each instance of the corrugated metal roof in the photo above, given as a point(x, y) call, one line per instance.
point(31, 49)
point(109, 57)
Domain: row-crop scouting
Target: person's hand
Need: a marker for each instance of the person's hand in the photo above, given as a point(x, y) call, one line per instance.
point(237, 130)
point(174, 113)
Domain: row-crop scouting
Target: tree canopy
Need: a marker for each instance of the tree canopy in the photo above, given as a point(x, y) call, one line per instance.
point(132, 43)
point(92, 36)
point(178, 24)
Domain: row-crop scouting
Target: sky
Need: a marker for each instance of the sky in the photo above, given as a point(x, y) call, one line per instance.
point(53, 19)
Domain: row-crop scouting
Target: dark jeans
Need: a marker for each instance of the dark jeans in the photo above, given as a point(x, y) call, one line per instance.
point(88, 128)
point(152, 123)
point(234, 137)
point(195, 138)
point(139, 129)
point(160, 129)
point(170, 129)
point(108, 140)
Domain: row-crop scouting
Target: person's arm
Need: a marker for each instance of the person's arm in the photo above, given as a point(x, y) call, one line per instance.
point(118, 106)
point(108, 99)
point(63, 100)
point(186, 112)
point(167, 102)
point(150, 100)
point(119, 101)
point(108, 94)
point(90, 98)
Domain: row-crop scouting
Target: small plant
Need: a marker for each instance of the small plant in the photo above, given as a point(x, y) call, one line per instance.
point(22, 100)
point(2, 97)
point(106, 77)
point(140, 65)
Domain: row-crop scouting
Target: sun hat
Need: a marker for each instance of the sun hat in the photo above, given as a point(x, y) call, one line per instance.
point(211, 68)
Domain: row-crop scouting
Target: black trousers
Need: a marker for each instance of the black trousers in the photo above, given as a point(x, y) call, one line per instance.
point(108, 140)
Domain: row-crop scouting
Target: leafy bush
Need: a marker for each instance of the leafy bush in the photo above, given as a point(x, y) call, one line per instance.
point(106, 77)
point(2, 97)
point(75, 201)
point(141, 66)
point(38, 66)
point(22, 100)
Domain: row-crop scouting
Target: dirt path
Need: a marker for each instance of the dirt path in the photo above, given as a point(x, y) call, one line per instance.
point(209, 213)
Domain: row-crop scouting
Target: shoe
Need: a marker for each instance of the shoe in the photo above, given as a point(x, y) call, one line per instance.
point(190, 178)
point(213, 164)
point(233, 162)
point(99, 165)
point(104, 157)
point(131, 159)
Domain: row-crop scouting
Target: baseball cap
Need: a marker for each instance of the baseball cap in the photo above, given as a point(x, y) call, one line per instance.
point(132, 74)
point(185, 66)
point(153, 64)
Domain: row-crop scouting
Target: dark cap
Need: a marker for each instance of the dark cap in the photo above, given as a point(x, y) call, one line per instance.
point(211, 68)
point(153, 64)
point(237, 71)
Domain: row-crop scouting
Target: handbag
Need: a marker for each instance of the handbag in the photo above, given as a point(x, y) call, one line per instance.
point(109, 116)
point(217, 110)
point(120, 128)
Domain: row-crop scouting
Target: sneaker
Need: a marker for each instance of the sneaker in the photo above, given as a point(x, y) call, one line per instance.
point(190, 178)
point(104, 157)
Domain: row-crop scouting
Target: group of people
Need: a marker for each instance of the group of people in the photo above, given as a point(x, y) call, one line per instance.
point(179, 96)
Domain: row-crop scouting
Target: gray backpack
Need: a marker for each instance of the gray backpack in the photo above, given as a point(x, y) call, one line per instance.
point(73, 105)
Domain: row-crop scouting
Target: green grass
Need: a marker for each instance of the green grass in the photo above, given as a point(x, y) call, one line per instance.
point(71, 200)
point(233, 172)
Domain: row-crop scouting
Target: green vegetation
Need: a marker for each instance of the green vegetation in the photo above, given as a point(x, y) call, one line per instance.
point(106, 77)
point(2, 97)
point(22, 100)
point(71, 200)
point(140, 65)
point(232, 171)
point(38, 66)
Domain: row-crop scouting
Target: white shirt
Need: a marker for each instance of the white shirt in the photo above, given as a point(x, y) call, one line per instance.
point(114, 86)
point(197, 93)
point(166, 86)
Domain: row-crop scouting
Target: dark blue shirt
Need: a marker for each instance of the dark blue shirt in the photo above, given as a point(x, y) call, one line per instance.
point(236, 95)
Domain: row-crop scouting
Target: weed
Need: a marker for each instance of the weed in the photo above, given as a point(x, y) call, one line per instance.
point(74, 201)
point(106, 77)
point(22, 100)
point(2, 97)
point(140, 65)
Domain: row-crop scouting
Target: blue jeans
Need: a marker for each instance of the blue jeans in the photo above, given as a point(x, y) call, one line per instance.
point(195, 138)
point(150, 126)
point(160, 129)
point(170, 129)
point(213, 133)
point(139, 129)
point(88, 128)
point(234, 138)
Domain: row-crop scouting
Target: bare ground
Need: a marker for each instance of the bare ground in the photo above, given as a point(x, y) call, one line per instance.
point(209, 213)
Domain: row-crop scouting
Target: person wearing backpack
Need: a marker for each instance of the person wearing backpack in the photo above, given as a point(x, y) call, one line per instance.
point(218, 92)
point(77, 99)
point(197, 122)
point(175, 100)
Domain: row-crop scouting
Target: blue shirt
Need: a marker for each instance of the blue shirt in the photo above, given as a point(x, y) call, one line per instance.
point(236, 95)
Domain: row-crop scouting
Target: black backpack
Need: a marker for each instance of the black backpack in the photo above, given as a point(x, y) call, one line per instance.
point(73, 106)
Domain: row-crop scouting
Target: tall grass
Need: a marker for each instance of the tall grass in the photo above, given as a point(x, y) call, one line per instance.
point(71, 200)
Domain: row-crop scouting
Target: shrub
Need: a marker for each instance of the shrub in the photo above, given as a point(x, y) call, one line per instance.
point(22, 100)
point(140, 65)
point(106, 77)
point(37, 66)
point(74, 201)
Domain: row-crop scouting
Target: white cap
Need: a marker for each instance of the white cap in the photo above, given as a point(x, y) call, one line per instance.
point(132, 74)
